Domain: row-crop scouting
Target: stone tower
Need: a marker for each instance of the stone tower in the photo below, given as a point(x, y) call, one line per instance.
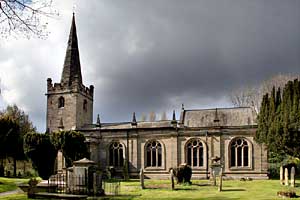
point(69, 103)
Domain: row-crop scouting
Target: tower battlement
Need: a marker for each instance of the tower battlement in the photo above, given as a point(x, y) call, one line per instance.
point(53, 88)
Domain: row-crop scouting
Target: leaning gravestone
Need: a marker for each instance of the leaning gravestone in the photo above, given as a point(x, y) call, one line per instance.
point(221, 180)
point(142, 178)
point(281, 175)
point(293, 177)
point(286, 176)
point(172, 179)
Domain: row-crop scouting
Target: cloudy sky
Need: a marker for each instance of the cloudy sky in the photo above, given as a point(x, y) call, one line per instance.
point(148, 56)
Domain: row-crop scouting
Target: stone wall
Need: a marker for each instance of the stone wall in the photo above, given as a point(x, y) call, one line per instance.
point(174, 142)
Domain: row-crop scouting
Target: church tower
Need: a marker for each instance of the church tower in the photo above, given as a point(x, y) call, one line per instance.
point(69, 103)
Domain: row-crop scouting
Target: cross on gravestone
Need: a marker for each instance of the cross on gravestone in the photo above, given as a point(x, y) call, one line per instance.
point(142, 178)
point(286, 176)
point(172, 179)
point(281, 175)
point(293, 177)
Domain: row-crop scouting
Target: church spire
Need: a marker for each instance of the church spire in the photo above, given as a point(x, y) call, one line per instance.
point(72, 69)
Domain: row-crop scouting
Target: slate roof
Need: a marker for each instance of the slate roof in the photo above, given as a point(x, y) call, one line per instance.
point(241, 116)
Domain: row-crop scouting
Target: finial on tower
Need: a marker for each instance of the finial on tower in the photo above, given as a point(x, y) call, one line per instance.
point(74, 8)
point(182, 106)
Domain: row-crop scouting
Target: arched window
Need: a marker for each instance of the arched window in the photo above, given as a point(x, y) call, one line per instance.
point(239, 153)
point(61, 102)
point(153, 154)
point(116, 154)
point(195, 153)
point(85, 105)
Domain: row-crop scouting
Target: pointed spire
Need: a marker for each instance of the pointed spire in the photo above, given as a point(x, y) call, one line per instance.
point(133, 123)
point(98, 123)
point(72, 69)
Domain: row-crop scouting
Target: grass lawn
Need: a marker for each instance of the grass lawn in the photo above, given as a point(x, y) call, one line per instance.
point(234, 189)
point(160, 189)
point(9, 184)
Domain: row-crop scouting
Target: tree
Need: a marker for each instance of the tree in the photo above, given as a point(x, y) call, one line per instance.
point(152, 116)
point(252, 95)
point(41, 151)
point(279, 120)
point(25, 17)
point(72, 144)
point(9, 141)
point(164, 116)
point(25, 126)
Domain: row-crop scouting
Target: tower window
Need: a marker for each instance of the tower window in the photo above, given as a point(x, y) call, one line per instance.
point(61, 102)
point(85, 105)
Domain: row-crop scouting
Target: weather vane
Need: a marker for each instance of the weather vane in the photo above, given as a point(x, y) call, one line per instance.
point(74, 8)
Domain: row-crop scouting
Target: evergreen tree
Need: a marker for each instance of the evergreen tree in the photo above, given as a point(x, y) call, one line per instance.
point(41, 151)
point(279, 120)
point(72, 144)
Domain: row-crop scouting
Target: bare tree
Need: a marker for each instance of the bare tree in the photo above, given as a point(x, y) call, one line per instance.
point(252, 95)
point(152, 116)
point(143, 117)
point(25, 17)
point(164, 115)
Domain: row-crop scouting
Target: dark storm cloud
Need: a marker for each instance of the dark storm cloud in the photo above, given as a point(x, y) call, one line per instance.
point(154, 55)
point(148, 56)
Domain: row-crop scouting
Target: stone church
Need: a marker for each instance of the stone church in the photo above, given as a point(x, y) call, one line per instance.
point(195, 138)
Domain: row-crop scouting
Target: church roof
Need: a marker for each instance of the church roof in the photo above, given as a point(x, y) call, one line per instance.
point(140, 124)
point(72, 69)
point(241, 116)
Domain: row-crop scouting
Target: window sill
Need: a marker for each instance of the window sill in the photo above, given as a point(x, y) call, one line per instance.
point(154, 168)
point(240, 168)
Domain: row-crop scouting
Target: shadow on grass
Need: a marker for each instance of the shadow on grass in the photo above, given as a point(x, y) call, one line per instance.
point(178, 189)
point(233, 190)
point(123, 197)
point(201, 184)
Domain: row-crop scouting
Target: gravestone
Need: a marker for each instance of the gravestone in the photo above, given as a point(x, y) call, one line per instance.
point(286, 176)
point(78, 175)
point(221, 180)
point(215, 169)
point(281, 175)
point(293, 177)
point(142, 178)
point(172, 179)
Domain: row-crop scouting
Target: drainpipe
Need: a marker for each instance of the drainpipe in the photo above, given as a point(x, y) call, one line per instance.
point(127, 152)
point(206, 133)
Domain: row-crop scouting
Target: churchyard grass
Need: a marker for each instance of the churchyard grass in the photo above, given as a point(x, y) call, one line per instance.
point(232, 189)
point(200, 189)
point(9, 184)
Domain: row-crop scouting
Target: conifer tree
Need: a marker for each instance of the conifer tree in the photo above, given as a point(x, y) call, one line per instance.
point(279, 120)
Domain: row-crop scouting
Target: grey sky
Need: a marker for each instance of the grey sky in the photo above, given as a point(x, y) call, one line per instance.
point(148, 56)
